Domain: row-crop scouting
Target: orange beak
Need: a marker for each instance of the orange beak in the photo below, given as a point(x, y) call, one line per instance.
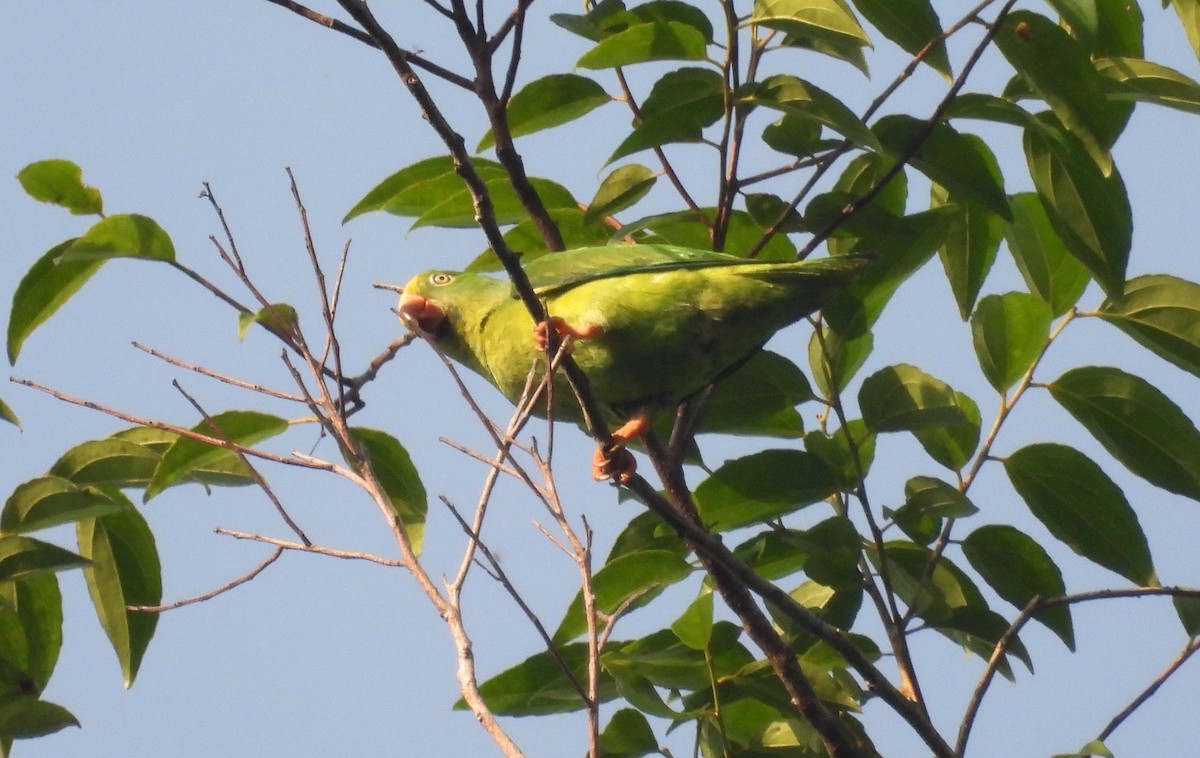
point(418, 311)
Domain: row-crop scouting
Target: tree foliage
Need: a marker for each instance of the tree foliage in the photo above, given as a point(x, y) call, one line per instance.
point(824, 586)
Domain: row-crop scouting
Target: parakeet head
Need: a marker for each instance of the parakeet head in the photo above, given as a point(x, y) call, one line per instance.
point(448, 304)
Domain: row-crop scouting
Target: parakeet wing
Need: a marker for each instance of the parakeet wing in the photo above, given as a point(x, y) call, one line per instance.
point(558, 271)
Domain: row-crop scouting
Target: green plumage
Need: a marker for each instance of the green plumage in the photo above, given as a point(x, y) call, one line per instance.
point(674, 319)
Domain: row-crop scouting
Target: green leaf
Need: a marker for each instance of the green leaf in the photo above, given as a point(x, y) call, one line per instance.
point(399, 478)
point(959, 162)
point(108, 463)
point(679, 107)
point(48, 284)
point(847, 452)
point(760, 398)
point(1061, 72)
point(60, 182)
point(1082, 507)
point(1009, 332)
point(49, 501)
point(823, 19)
point(793, 135)
point(627, 735)
point(186, 455)
point(905, 247)
point(1019, 569)
point(911, 24)
point(627, 582)
point(619, 190)
point(953, 446)
point(1091, 750)
point(1161, 313)
point(538, 685)
point(610, 17)
point(547, 102)
point(1149, 82)
point(932, 594)
point(1139, 425)
point(1188, 610)
point(834, 360)
point(127, 235)
point(1089, 211)
point(6, 414)
point(576, 232)
point(1189, 16)
point(36, 607)
point(1049, 270)
point(795, 97)
point(642, 43)
point(1081, 17)
point(691, 228)
point(279, 319)
point(694, 627)
point(24, 716)
point(905, 398)
point(124, 571)
point(24, 556)
point(927, 501)
point(457, 209)
point(762, 486)
point(970, 248)
point(985, 107)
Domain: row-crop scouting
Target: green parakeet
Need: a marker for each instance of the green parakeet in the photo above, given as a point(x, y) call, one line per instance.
point(652, 324)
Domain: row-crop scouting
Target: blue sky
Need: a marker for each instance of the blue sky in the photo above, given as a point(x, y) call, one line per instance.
point(320, 656)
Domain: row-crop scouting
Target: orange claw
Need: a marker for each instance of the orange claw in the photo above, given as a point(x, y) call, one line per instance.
point(563, 329)
point(613, 461)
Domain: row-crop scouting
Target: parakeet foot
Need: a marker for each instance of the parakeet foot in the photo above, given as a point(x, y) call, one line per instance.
point(563, 329)
point(613, 461)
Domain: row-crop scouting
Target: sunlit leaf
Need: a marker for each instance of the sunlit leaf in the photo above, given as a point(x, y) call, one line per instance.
point(127, 235)
point(959, 162)
point(539, 685)
point(970, 248)
point(823, 19)
point(48, 284)
point(762, 486)
point(1009, 332)
point(108, 462)
point(548, 102)
point(629, 581)
point(760, 398)
point(695, 625)
point(48, 501)
point(1189, 16)
point(399, 478)
point(905, 398)
point(124, 572)
point(23, 556)
point(834, 360)
point(847, 452)
point(911, 24)
point(1049, 270)
point(1149, 82)
point(1162, 313)
point(642, 43)
point(796, 97)
point(186, 455)
point(1019, 569)
point(627, 735)
point(24, 716)
point(1136, 423)
point(35, 603)
point(1082, 507)
point(927, 502)
point(279, 319)
point(953, 446)
point(1060, 70)
point(60, 182)
point(7, 414)
point(1089, 211)
point(622, 188)
point(680, 105)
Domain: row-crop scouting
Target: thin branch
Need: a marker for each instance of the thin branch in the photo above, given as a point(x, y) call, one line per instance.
point(225, 378)
point(305, 462)
point(348, 555)
point(1036, 605)
point(1192, 646)
point(210, 595)
point(254, 474)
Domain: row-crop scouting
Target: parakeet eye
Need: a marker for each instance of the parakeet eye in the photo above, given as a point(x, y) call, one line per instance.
point(440, 278)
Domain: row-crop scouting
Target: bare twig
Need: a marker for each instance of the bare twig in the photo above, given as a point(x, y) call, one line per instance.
point(225, 378)
point(210, 595)
point(348, 555)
